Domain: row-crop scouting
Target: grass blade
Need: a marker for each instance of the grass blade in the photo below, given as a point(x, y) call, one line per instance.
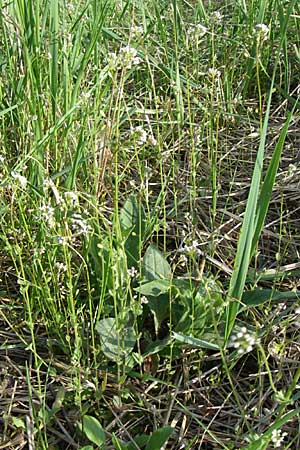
point(256, 208)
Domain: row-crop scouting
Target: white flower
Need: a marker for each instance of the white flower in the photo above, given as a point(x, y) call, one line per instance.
point(277, 438)
point(112, 59)
point(128, 57)
point(140, 134)
point(79, 225)
point(62, 240)
point(217, 16)
point(61, 266)
point(213, 72)
point(144, 300)
point(2, 159)
point(47, 213)
point(196, 32)
point(71, 198)
point(243, 341)
point(132, 272)
point(262, 31)
point(136, 31)
point(20, 179)
point(191, 248)
point(152, 141)
point(292, 169)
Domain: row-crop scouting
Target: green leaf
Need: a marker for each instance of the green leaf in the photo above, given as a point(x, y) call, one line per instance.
point(159, 438)
point(194, 342)
point(59, 399)
point(93, 430)
point(257, 205)
point(116, 344)
point(260, 296)
point(154, 288)
point(18, 423)
point(129, 215)
point(87, 447)
point(132, 223)
point(155, 266)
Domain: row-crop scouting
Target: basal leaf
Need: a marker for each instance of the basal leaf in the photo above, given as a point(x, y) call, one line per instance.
point(159, 438)
point(155, 266)
point(132, 222)
point(115, 344)
point(93, 430)
point(154, 288)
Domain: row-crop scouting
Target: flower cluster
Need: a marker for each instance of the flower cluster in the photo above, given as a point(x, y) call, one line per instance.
point(20, 179)
point(47, 213)
point(277, 438)
point(127, 57)
point(196, 32)
point(213, 72)
point(132, 272)
point(261, 31)
point(191, 248)
point(136, 31)
point(79, 225)
point(243, 341)
point(141, 136)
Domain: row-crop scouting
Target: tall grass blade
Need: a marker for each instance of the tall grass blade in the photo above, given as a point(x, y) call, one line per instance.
point(256, 208)
point(266, 190)
point(54, 53)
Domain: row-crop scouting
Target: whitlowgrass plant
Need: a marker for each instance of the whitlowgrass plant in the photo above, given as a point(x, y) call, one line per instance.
point(140, 146)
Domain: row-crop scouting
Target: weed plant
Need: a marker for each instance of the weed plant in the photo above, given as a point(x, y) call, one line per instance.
point(149, 228)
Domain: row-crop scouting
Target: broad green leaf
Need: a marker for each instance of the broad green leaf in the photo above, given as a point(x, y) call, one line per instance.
point(154, 288)
point(155, 266)
point(116, 344)
point(159, 438)
point(59, 399)
point(194, 342)
point(129, 214)
point(132, 222)
point(93, 430)
point(259, 296)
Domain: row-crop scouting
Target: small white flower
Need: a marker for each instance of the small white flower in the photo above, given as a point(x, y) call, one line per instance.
point(144, 300)
point(196, 32)
point(136, 31)
point(132, 272)
point(128, 57)
point(71, 198)
point(152, 141)
point(79, 225)
point(61, 266)
point(2, 159)
point(20, 179)
point(62, 240)
point(292, 169)
point(243, 341)
point(112, 59)
point(140, 134)
point(261, 30)
point(47, 213)
point(213, 72)
point(277, 438)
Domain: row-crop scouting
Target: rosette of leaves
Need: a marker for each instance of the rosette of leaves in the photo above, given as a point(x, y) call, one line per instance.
point(191, 308)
